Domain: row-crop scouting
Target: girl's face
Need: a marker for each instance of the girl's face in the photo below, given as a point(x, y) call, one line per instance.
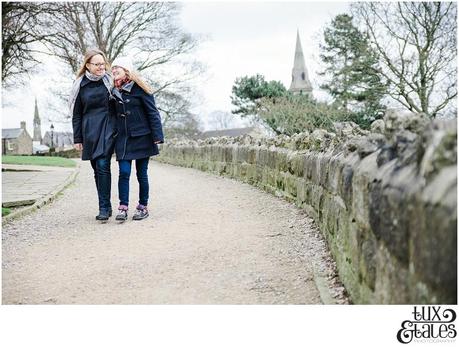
point(96, 65)
point(118, 72)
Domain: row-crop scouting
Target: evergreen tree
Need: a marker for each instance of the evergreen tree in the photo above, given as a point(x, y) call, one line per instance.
point(352, 71)
point(247, 93)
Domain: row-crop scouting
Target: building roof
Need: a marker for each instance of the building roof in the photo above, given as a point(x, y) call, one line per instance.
point(60, 133)
point(226, 132)
point(12, 133)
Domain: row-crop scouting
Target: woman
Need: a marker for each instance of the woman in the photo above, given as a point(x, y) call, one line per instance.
point(93, 123)
point(139, 133)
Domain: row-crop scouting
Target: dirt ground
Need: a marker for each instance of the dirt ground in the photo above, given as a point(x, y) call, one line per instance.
point(208, 240)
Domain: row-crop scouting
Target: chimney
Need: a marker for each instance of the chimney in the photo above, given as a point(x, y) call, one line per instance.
point(23, 125)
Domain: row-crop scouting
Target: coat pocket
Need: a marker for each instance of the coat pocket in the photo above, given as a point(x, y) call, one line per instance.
point(137, 123)
point(139, 131)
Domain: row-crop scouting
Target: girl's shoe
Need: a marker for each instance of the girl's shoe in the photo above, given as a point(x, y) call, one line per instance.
point(141, 212)
point(122, 213)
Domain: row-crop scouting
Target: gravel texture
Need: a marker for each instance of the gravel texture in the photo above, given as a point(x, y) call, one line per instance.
point(208, 240)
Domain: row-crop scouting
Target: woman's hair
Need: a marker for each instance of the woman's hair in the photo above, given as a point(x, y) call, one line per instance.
point(133, 76)
point(87, 57)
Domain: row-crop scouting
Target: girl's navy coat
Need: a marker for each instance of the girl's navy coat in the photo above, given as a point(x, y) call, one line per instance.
point(93, 122)
point(138, 123)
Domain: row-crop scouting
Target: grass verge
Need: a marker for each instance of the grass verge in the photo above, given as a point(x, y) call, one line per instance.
point(37, 160)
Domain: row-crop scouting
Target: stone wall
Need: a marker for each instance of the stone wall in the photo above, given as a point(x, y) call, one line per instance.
point(385, 200)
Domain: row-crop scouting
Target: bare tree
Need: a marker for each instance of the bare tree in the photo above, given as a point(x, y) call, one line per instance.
point(221, 120)
point(177, 120)
point(146, 30)
point(20, 35)
point(173, 107)
point(416, 44)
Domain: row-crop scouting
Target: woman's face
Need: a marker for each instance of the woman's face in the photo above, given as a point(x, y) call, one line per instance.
point(118, 72)
point(96, 65)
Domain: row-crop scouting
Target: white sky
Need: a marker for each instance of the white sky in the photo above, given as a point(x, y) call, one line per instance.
point(244, 38)
point(254, 37)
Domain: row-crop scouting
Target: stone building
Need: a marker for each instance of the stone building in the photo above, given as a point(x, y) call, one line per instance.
point(16, 141)
point(61, 140)
point(300, 78)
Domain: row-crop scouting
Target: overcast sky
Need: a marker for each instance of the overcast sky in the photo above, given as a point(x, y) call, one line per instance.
point(255, 37)
point(243, 38)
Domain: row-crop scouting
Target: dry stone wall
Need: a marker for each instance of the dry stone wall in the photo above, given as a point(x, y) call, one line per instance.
point(384, 199)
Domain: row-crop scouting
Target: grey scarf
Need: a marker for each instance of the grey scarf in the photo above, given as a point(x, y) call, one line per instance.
point(76, 87)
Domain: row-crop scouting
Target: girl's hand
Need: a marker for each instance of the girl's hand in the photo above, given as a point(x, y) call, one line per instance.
point(78, 146)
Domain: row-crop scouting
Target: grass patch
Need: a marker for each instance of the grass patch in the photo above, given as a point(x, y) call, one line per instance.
point(42, 161)
point(5, 211)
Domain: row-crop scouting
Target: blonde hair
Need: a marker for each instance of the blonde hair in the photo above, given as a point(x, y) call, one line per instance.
point(133, 76)
point(87, 57)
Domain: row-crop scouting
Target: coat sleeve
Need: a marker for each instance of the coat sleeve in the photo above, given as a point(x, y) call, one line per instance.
point(77, 120)
point(153, 116)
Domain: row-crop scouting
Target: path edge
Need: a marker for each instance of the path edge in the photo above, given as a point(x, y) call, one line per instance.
point(47, 199)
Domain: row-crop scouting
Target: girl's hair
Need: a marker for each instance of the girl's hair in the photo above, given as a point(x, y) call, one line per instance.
point(87, 57)
point(133, 76)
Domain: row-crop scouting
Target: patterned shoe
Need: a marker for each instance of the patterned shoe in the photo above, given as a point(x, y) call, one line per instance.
point(141, 212)
point(122, 213)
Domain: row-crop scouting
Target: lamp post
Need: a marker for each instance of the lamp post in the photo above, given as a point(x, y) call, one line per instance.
point(52, 135)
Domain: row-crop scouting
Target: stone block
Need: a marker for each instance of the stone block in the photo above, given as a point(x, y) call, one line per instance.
point(367, 265)
point(252, 155)
point(392, 279)
point(282, 162)
point(228, 154)
point(434, 240)
point(272, 159)
point(307, 165)
point(262, 156)
point(296, 164)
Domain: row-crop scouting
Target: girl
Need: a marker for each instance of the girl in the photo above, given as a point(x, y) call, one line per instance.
point(139, 133)
point(93, 125)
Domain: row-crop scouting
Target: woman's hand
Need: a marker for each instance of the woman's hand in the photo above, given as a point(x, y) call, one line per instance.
point(78, 146)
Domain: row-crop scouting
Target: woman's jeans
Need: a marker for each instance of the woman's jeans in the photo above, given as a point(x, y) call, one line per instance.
point(141, 166)
point(103, 178)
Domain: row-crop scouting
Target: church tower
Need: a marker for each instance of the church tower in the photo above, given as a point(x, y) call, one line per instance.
point(300, 79)
point(36, 125)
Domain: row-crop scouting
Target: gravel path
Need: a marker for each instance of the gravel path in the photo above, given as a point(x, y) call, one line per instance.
point(208, 240)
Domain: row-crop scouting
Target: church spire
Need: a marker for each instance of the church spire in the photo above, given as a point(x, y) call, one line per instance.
point(300, 78)
point(36, 124)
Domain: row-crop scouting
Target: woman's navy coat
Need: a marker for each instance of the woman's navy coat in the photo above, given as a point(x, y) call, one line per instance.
point(93, 121)
point(138, 123)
